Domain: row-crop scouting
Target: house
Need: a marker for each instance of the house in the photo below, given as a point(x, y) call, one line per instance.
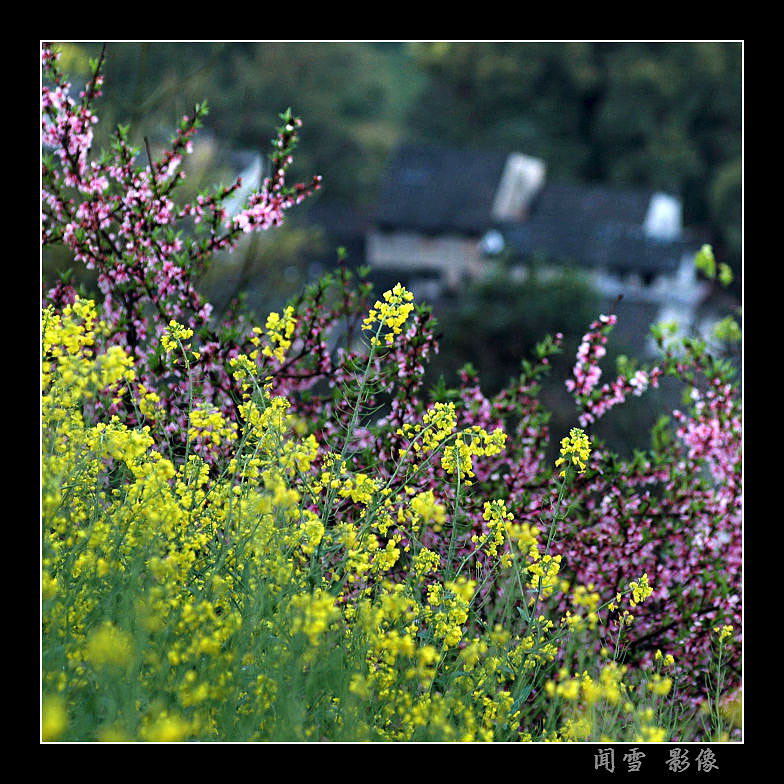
point(444, 215)
point(436, 204)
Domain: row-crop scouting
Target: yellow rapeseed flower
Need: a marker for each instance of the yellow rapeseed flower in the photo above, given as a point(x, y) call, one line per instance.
point(175, 335)
point(723, 632)
point(391, 313)
point(54, 718)
point(640, 589)
point(575, 450)
point(108, 646)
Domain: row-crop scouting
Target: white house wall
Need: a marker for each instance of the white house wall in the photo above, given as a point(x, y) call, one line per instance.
point(453, 256)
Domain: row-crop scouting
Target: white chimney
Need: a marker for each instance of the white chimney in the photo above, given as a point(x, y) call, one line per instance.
point(521, 180)
point(663, 220)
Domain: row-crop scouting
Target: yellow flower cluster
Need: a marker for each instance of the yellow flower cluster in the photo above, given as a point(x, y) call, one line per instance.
point(438, 423)
point(447, 609)
point(54, 717)
point(360, 488)
point(166, 728)
point(660, 685)
point(640, 589)
point(427, 510)
point(108, 646)
point(148, 403)
point(438, 426)
point(426, 562)
point(723, 632)
point(498, 519)
point(591, 702)
point(69, 333)
point(543, 573)
point(269, 439)
point(667, 661)
point(586, 598)
point(575, 450)
point(244, 369)
point(312, 531)
point(280, 330)
point(175, 336)
point(70, 371)
point(313, 614)
point(390, 314)
point(209, 424)
point(471, 442)
point(535, 649)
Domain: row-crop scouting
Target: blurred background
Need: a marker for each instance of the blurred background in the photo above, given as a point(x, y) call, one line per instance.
point(496, 179)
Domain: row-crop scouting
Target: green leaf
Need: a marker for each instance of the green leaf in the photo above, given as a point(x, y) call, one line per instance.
point(441, 393)
point(625, 366)
point(727, 330)
point(705, 261)
point(661, 436)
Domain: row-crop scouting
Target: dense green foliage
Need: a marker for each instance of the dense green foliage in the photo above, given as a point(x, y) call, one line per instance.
point(353, 94)
point(498, 321)
point(665, 115)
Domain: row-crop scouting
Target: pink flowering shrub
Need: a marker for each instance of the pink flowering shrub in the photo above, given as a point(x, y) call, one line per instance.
point(118, 215)
point(673, 512)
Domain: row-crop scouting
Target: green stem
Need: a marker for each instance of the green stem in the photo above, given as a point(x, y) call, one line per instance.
point(550, 537)
point(456, 508)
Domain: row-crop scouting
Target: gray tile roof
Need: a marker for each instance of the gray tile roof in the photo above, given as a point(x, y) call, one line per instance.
point(571, 238)
point(593, 203)
point(439, 190)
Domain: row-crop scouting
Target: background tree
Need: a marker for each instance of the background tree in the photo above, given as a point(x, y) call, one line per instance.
point(499, 321)
point(661, 115)
point(354, 96)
